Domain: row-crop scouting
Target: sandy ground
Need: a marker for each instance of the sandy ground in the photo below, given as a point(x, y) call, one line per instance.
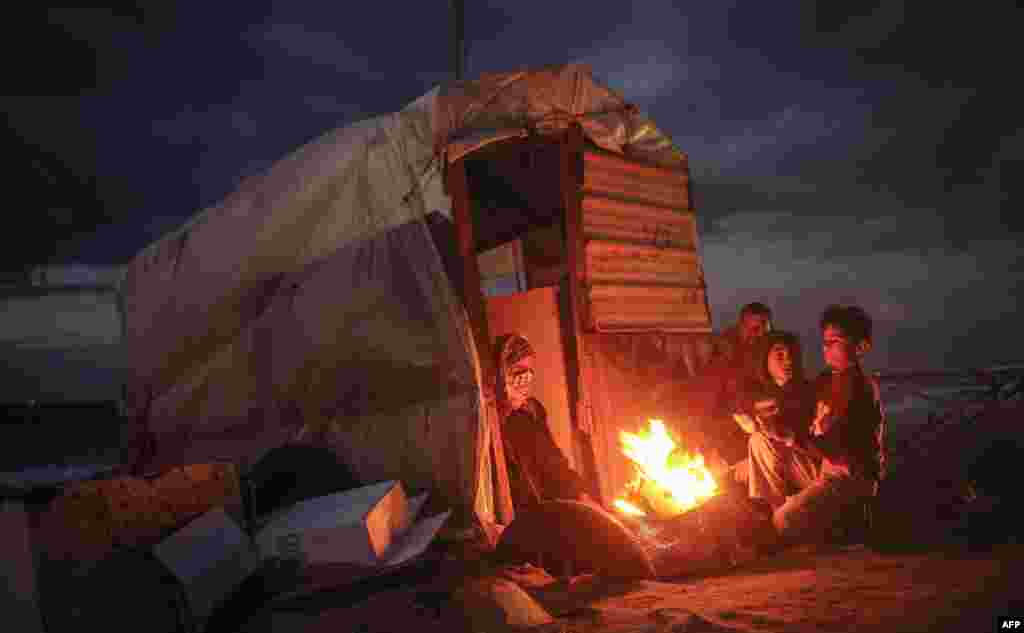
point(805, 589)
point(854, 590)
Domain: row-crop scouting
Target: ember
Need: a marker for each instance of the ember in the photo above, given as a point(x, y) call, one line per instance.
point(628, 508)
point(668, 480)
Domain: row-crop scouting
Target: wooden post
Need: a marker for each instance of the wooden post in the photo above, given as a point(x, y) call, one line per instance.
point(571, 178)
point(571, 167)
point(458, 189)
point(459, 28)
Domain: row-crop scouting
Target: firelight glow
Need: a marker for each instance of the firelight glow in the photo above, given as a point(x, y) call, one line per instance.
point(626, 507)
point(680, 481)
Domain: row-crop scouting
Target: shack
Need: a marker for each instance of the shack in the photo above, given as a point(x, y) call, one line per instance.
point(349, 296)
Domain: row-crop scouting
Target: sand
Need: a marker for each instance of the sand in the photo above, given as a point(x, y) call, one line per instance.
point(804, 589)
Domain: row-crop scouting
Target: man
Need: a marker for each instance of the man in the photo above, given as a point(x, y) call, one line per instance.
point(537, 469)
point(735, 345)
point(718, 388)
point(811, 473)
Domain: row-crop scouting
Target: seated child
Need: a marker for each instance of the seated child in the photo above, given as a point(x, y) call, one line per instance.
point(842, 442)
point(780, 399)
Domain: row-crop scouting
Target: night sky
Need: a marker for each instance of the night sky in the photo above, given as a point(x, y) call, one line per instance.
point(868, 154)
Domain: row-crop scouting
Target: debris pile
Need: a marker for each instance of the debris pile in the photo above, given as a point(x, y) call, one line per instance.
point(172, 550)
point(91, 519)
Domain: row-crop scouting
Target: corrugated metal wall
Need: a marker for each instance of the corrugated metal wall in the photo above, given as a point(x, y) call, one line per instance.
point(635, 377)
point(646, 315)
point(642, 269)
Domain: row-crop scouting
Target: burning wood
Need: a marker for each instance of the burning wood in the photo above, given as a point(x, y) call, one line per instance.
point(685, 523)
point(669, 481)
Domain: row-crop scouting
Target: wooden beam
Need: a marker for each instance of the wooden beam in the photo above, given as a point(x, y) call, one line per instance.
point(458, 188)
point(571, 179)
point(570, 168)
point(476, 307)
point(459, 39)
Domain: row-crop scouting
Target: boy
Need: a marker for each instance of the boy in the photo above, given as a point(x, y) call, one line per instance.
point(844, 438)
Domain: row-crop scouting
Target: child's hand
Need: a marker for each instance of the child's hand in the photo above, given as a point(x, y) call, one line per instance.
point(747, 423)
point(820, 418)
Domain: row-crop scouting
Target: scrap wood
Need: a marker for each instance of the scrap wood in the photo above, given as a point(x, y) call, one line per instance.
point(139, 517)
point(78, 524)
point(191, 490)
point(90, 519)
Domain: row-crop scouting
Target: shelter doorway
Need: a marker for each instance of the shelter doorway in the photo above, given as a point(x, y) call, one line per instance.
point(613, 243)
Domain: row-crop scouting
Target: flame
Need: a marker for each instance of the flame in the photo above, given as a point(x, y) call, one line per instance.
point(626, 507)
point(671, 480)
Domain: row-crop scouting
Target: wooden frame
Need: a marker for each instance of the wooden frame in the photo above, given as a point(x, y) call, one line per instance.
point(623, 207)
point(458, 189)
point(571, 178)
point(457, 185)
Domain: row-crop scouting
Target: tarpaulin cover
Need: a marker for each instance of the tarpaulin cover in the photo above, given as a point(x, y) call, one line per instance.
point(471, 114)
point(313, 301)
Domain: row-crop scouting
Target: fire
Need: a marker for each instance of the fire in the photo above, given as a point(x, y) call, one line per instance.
point(668, 479)
point(626, 507)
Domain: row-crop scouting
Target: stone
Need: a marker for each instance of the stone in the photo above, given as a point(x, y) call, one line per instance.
point(493, 604)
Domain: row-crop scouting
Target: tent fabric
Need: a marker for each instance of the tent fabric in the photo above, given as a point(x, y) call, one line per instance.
point(471, 114)
point(313, 302)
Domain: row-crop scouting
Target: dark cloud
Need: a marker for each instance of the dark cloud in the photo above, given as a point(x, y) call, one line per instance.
point(939, 135)
point(74, 51)
point(869, 151)
point(933, 306)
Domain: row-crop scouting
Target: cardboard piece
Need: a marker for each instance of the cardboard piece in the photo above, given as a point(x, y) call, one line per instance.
point(316, 578)
point(355, 526)
point(210, 557)
point(419, 535)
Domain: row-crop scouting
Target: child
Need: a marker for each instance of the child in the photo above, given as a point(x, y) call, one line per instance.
point(845, 435)
point(538, 471)
point(776, 393)
point(776, 401)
